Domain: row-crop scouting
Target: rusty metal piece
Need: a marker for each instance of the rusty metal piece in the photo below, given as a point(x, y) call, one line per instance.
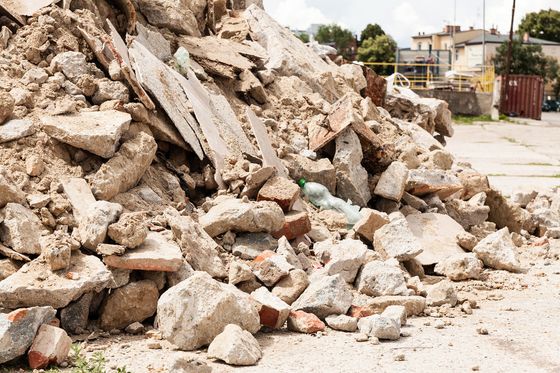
point(376, 86)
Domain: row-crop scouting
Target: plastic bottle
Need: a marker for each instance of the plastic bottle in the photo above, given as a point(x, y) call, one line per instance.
point(320, 196)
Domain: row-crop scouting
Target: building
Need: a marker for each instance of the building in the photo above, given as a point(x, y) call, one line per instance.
point(468, 46)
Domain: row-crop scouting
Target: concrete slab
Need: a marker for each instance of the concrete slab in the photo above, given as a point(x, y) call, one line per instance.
point(515, 156)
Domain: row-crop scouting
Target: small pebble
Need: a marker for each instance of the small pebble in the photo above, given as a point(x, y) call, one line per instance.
point(374, 340)
point(400, 357)
point(361, 337)
point(439, 324)
point(482, 331)
point(154, 345)
point(476, 368)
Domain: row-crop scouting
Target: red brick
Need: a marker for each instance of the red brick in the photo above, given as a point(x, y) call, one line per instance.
point(304, 322)
point(296, 224)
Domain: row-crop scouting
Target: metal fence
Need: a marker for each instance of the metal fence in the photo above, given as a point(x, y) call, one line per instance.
point(440, 76)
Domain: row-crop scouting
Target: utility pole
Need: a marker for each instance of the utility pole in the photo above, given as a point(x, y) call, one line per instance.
point(484, 38)
point(453, 34)
point(508, 60)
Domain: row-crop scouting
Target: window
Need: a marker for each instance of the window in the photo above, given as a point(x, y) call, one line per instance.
point(419, 46)
point(445, 46)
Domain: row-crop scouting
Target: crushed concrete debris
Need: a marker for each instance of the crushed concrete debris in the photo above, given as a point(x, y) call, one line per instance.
point(151, 169)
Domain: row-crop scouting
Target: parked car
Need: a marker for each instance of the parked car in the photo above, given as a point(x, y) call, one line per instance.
point(551, 105)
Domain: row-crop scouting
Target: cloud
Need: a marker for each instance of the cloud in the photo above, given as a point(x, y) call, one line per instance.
point(296, 14)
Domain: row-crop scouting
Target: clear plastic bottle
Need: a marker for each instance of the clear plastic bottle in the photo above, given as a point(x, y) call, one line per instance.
point(319, 195)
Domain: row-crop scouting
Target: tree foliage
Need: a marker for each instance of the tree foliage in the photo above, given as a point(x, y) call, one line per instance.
point(371, 31)
point(340, 38)
point(379, 49)
point(304, 37)
point(543, 25)
point(526, 59)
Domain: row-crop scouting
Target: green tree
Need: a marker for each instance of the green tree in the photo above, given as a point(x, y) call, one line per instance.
point(543, 25)
point(340, 38)
point(304, 37)
point(371, 31)
point(381, 49)
point(526, 59)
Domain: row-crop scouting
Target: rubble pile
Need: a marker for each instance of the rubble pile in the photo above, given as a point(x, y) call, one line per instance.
point(149, 167)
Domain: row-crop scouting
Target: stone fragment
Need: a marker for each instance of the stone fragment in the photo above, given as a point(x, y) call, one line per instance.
point(437, 236)
point(34, 284)
point(441, 293)
point(424, 181)
point(344, 258)
point(34, 165)
point(200, 250)
point(381, 327)
point(303, 322)
point(109, 90)
point(392, 183)
point(523, 198)
point(130, 231)
point(57, 256)
point(242, 216)
point(79, 195)
point(125, 169)
point(7, 104)
point(235, 346)
point(460, 267)
point(177, 16)
point(414, 305)
point(250, 245)
point(371, 221)
point(93, 225)
point(396, 240)
point(73, 65)
point(191, 314)
point(135, 328)
point(184, 272)
point(381, 278)
point(7, 268)
point(506, 213)
point(249, 85)
point(18, 329)
point(473, 182)
point(239, 272)
point(466, 240)
point(414, 202)
point(296, 224)
point(498, 251)
point(325, 296)
point(16, 129)
point(273, 311)
point(21, 229)
point(35, 75)
point(157, 253)
point(465, 213)
point(287, 251)
point(351, 177)
point(188, 364)
point(270, 267)
point(280, 190)
point(9, 190)
point(342, 322)
point(98, 132)
point(397, 313)
point(133, 302)
point(106, 249)
point(321, 171)
point(289, 288)
point(74, 317)
point(50, 346)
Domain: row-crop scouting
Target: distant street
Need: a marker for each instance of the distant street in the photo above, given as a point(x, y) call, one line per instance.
point(515, 156)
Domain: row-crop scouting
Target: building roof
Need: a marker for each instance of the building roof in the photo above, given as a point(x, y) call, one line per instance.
point(442, 33)
point(499, 39)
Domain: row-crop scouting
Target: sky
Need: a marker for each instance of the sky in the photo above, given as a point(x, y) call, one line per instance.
point(402, 18)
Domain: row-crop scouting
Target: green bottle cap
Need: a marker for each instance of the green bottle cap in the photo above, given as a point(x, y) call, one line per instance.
point(301, 182)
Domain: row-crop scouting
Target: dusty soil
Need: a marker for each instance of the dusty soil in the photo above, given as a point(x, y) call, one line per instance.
point(521, 313)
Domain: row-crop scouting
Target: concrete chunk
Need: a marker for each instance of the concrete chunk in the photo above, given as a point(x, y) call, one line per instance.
point(51, 346)
point(157, 253)
point(235, 346)
point(21, 229)
point(16, 129)
point(98, 132)
point(392, 183)
point(273, 311)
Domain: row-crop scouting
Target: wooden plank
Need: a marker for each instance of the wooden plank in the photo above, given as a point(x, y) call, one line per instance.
point(159, 79)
